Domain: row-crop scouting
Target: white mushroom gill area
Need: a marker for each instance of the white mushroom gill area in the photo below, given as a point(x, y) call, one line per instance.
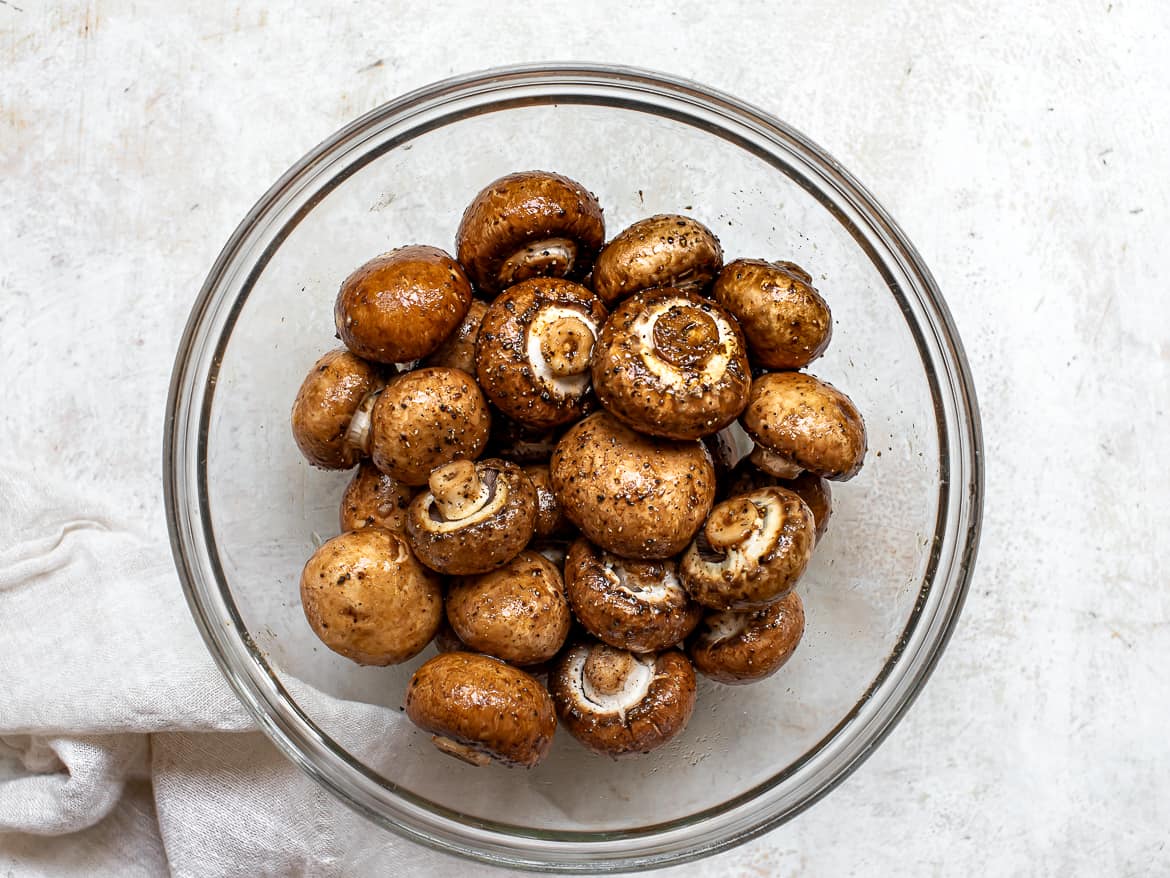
point(635, 686)
point(357, 434)
point(650, 590)
point(726, 625)
point(775, 464)
point(668, 373)
point(558, 385)
point(486, 506)
point(742, 559)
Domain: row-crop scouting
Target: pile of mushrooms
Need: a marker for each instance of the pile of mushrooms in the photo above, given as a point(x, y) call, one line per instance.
point(592, 464)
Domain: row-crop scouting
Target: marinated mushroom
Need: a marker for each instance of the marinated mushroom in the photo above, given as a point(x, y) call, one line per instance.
point(475, 517)
point(550, 519)
point(640, 606)
point(458, 350)
point(784, 319)
point(374, 498)
point(480, 710)
point(799, 422)
point(517, 613)
point(637, 497)
point(426, 418)
point(331, 414)
point(529, 224)
point(400, 306)
point(666, 250)
point(736, 647)
point(812, 489)
point(535, 343)
point(752, 550)
point(618, 703)
point(367, 597)
point(671, 363)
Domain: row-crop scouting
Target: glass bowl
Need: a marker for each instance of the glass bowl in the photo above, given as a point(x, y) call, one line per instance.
point(882, 594)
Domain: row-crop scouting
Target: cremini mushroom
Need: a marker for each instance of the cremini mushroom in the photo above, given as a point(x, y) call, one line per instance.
point(666, 250)
point(532, 357)
point(475, 517)
point(529, 224)
point(367, 597)
point(479, 709)
point(799, 422)
point(426, 418)
point(618, 703)
point(331, 414)
point(458, 350)
point(812, 489)
point(784, 319)
point(517, 613)
point(374, 498)
point(745, 646)
point(550, 518)
point(673, 364)
point(637, 497)
point(400, 306)
point(640, 606)
point(752, 550)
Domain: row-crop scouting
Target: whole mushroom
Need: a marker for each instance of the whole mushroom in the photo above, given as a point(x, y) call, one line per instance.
point(666, 250)
point(374, 498)
point(331, 413)
point(815, 491)
point(480, 710)
point(735, 647)
point(458, 350)
point(529, 224)
point(400, 306)
point(673, 364)
point(367, 597)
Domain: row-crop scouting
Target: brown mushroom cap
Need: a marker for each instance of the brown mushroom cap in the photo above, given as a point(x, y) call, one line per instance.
point(637, 497)
point(517, 613)
point(474, 517)
point(666, 250)
point(529, 224)
point(743, 647)
point(458, 350)
point(673, 364)
point(640, 606)
point(532, 357)
point(784, 319)
point(617, 703)
point(752, 551)
point(800, 422)
point(400, 306)
point(550, 519)
point(322, 415)
point(426, 418)
point(812, 489)
point(479, 709)
point(374, 498)
point(367, 597)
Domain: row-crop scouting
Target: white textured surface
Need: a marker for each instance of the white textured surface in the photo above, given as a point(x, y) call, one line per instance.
point(1022, 149)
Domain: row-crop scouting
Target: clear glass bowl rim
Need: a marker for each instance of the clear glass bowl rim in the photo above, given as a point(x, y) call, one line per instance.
point(745, 816)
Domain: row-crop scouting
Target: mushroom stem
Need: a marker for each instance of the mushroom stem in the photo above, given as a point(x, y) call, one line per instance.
point(358, 433)
point(458, 490)
point(606, 670)
point(775, 464)
point(552, 257)
point(566, 345)
point(460, 751)
point(731, 523)
point(685, 336)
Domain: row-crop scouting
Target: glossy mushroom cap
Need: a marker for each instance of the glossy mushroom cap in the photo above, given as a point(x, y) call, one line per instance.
point(400, 306)
point(529, 224)
point(815, 491)
point(784, 319)
point(640, 606)
point(458, 350)
point(635, 496)
point(799, 422)
point(752, 551)
point(426, 418)
point(480, 710)
point(617, 703)
point(736, 647)
point(330, 416)
point(534, 349)
point(475, 517)
point(367, 597)
point(661, 251)
point(373, 498)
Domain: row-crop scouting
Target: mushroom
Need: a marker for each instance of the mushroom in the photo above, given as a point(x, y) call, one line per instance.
point(639, 606)
point(736, 647)
point(331, 414)
point(752, 551)
point(424, 419)
point(475, 517)
point(529, 224)
point(550, 519)
point(517, 613)
point(532, 357)
point(374, 498)
point(618, 703)
point(637, 497)
point(479, 709)
point(812, 489)
point(784, 319)
point(666, 250)
point(799, 422)
point(458, 350)
point(367, 597)
point(400, 306)
point(673, 364)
